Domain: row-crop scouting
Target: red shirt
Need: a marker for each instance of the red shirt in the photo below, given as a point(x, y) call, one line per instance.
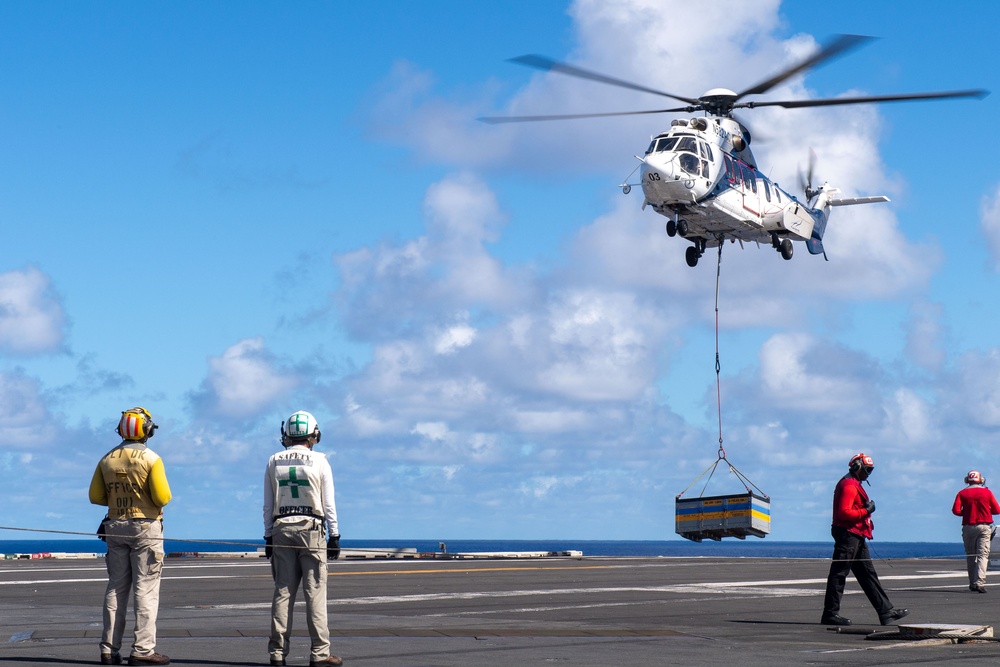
point(975, 504)
point(849, 507)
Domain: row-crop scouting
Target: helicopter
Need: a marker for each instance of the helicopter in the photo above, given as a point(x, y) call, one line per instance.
point(702, 176)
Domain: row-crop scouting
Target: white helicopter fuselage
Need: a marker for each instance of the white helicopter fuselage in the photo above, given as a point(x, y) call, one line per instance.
point(703, 172)
point(701, 175)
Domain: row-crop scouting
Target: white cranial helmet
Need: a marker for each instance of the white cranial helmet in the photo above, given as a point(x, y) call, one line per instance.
point(300, 426)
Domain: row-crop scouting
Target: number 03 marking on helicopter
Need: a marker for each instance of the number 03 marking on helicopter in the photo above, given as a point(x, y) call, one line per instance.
point(701, 175)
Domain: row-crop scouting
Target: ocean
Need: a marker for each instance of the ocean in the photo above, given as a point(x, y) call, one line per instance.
point(729, 548)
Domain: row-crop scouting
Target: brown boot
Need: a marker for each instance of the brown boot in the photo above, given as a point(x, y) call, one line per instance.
point(151, 659)
point(332, 660)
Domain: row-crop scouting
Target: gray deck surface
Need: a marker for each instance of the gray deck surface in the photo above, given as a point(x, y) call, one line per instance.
point(553, 611)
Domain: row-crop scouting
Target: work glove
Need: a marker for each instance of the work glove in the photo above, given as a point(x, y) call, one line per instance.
point(333, 547)
point(870, 506)
point(268, 549)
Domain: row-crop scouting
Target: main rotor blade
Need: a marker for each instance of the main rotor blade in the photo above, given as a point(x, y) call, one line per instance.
point(493, 120)
point(797, 104)
point(835, 48)
point(549, 65)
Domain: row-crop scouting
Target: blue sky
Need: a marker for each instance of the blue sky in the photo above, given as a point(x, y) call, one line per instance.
point(226, 212)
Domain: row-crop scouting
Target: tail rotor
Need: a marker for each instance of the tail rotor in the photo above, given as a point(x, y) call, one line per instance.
point(806, 181)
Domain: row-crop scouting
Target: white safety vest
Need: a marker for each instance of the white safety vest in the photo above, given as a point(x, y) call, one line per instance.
point(298, 489)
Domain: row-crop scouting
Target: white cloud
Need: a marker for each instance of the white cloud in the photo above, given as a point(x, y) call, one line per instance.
point(25, 422)
point(912, 418)
point(974, 394)
point(245, 380)
point(32, 320)
point(454, 338)
point(925, 344)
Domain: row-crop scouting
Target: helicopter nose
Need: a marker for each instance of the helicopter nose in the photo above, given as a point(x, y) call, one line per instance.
point(662, 182)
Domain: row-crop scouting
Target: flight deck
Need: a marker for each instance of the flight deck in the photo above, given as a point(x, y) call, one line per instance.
point(570, 610)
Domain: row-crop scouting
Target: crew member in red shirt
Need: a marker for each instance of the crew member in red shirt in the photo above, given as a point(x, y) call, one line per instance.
point(852, 525)
point(976, 505)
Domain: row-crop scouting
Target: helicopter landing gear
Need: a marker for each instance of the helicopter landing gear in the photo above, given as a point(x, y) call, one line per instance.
point(671, 228)
point(694, 252)
point(692, 256)
point(682, 228)
point(782, 246)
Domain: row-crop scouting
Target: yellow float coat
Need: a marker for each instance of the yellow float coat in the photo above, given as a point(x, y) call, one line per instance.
point(131, 482)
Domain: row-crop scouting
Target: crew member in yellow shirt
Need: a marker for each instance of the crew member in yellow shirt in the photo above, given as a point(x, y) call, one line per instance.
point(131, 482)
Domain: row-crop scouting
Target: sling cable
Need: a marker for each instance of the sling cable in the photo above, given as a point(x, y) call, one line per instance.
point(734, 515)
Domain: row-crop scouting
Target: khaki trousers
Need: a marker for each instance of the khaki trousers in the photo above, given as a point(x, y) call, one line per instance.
point(134, 562)
point(299, 556)
point(977, 551)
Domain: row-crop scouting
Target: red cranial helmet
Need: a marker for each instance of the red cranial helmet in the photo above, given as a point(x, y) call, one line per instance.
point(861, 461)
point(975, 477)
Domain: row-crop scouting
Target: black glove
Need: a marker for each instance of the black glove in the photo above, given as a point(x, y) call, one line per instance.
point(268, 549)
point(101, 530)
point(870, 506)
point(333, 547)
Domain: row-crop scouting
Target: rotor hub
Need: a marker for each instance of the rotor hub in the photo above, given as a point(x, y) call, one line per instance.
point(718, 101)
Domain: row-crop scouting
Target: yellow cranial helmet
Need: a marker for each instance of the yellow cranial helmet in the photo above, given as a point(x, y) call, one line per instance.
point(136, 424)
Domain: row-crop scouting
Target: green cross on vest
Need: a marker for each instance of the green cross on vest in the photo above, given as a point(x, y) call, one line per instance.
point(293, 483)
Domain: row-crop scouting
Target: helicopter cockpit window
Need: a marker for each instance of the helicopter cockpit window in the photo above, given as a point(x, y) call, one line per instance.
point(666, 144)
point(767, 190)
point(690, 163)
point(660, 144)
point(706, 151)
point(687, 144)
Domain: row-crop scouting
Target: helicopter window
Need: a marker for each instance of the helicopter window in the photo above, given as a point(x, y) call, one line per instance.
point(706, 151)
point(665, 144)
point(748, 178)
point(688, 144)
point(767, 190)
point(690, 164)
point(731, 172)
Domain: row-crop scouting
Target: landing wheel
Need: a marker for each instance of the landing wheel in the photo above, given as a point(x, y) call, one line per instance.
point(786, 249)
point(682, 228)
point(775, 243)
point(692, 255)
point(671, 228)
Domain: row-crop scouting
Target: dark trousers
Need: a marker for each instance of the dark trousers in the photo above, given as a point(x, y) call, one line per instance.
point(850, 554)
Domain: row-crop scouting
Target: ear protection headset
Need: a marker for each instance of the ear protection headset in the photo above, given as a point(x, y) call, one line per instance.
point(136, 424)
